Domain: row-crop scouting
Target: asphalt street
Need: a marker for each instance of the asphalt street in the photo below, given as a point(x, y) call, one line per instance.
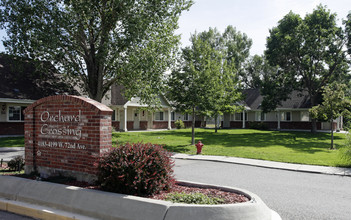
point(11, 216)
point(294, 195)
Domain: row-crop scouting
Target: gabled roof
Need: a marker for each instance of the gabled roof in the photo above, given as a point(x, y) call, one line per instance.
point(118, 99)
point(298, 100)
point(22, 79)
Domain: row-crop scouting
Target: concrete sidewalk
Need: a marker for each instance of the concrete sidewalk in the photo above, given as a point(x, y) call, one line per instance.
point(269, 164)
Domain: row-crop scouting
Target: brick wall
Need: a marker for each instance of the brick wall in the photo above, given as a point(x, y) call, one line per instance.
point(115, 125)
point(160, 125)
point(143, 125)
point(11, 128)
point(66, 134)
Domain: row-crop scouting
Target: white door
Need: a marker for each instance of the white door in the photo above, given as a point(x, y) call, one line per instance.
point(136, 124)
point(150, 120)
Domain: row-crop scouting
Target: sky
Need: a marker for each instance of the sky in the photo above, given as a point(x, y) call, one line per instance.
point(253, 17)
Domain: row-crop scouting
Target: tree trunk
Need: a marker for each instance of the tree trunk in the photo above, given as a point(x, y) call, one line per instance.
point(193, 128)
point(332, 135)
point(313, 121)
point(216, 122)
point(314, 125)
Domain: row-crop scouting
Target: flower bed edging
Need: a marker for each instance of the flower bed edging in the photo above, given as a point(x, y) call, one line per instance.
point(104, 205)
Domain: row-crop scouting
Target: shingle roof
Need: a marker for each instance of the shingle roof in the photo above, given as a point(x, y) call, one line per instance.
point(253, 99)
point(117, 97)
point(21, 79)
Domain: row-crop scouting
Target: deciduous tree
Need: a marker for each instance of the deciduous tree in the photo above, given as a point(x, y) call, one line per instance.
point(310, 53)
point(206, 80)
point(334, 105)
point(97, 43)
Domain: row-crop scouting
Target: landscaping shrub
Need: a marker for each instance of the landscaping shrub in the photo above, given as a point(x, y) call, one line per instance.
point(179, 124)
point(346, 149)
point(16, 163)
point(194, 198)
point(258, 125)
point(136, 169)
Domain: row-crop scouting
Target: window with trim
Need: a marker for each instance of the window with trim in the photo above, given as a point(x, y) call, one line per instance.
point(15, 113)
point(286, 116)
point(159, 116)
point(260, 116)
point(172, 116)
point(238, 116)
point(186, 117)
point(114, 115)
point(305, 116)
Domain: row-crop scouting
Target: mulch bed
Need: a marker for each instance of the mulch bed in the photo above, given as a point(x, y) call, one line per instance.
point(228, 197)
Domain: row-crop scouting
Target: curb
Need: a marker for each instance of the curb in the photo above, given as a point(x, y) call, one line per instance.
point(38, 212)
point(16, 194)
point(340, 171)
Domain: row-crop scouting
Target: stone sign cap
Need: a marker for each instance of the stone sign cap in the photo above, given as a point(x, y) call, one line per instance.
point(86, 102)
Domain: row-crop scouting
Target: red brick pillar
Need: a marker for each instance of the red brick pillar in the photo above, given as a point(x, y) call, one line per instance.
point(66, 135)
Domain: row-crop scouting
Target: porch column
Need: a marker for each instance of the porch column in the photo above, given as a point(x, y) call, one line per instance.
point(243, 119)
point(125, 119)
point(169, 119)
point(278, 112)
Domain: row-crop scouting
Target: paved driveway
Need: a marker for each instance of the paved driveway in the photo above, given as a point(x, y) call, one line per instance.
point(294, 195)
point(7, 153)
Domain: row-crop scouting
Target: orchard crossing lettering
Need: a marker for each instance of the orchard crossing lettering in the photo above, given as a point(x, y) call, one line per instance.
point(57, 130)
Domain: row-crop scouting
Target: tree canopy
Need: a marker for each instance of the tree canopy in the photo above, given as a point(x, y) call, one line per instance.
point(206, 79)
point(310, 53)
point(334, 105)
point(97, 43)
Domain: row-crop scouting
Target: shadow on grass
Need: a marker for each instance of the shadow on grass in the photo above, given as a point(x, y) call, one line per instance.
point(298, 141)
point(176, 149)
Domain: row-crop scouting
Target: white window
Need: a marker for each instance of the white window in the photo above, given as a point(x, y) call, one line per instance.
point(305, 116)
point(286, 116)
point(173, 116)
point(238, 116)
point(186, 117)
point(260, 116)
point(114, 115)
point(15, 113)
point(159, 116)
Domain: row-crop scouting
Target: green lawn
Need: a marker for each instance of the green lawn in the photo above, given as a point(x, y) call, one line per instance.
point(12, 142)
point(291, 147)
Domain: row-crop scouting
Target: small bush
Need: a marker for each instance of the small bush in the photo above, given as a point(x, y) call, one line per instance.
point(179, 124)
point(16, 163)
point(194, 198)
point(136, 169)
point(258, 125)
point(345, 151)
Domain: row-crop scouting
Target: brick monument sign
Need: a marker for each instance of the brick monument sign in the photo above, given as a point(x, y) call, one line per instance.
point(65, 135)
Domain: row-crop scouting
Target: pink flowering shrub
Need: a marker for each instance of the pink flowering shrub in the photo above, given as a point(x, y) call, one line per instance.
point(136, 169)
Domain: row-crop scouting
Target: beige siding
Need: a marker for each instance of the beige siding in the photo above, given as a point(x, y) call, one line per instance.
point(130, 114)
point(251, 116)
point(143, 115)
point(296, 116)
point(271, 116)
